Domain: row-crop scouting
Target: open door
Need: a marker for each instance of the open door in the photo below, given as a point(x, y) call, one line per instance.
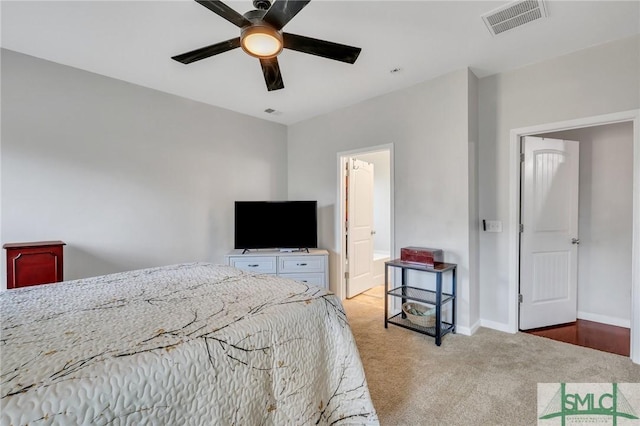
point(549, 233)
point(359, 227)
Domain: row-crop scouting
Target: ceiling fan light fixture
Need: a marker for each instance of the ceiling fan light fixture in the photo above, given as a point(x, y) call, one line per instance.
point(261, 41)
point(261, 37)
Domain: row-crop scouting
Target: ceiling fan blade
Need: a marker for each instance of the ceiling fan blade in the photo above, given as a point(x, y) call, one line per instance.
point(205, 52)
point(282, 11)
point(226, 12)
point(326, 49)
point(271, 71)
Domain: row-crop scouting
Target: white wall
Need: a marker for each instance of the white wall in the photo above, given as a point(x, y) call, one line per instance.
point(427, 125)
point(604, 221)
point(381, 198)
point(474, 219)
point(599, 80)
point(128, 177)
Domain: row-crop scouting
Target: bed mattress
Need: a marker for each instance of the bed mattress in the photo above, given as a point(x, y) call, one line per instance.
point(188, 344)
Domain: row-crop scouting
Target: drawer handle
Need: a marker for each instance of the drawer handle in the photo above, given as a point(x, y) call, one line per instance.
point(253, 266)
point(301, 264)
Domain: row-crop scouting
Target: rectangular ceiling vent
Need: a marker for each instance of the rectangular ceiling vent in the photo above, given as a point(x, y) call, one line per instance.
point(513, 15)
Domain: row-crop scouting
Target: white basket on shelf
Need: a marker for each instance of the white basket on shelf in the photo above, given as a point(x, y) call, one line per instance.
point(424, 316)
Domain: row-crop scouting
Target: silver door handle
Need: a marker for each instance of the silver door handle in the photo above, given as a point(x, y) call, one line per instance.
point(575, 241)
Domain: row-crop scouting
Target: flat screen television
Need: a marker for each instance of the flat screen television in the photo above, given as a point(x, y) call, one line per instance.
point(285, 225)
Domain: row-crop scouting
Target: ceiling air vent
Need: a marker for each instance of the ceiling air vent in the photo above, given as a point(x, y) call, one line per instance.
point(513, 15)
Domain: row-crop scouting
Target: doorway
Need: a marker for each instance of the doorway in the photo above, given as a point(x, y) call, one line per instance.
point(599, 311)
point(515, 196)
point(364, 261)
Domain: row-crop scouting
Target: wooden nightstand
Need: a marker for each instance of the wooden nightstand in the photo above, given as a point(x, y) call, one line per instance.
point(33, 263)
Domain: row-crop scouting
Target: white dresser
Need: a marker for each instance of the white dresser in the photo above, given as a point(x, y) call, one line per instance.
point(312, 267)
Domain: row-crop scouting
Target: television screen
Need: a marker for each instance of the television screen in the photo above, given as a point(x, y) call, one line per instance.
point(276, 224)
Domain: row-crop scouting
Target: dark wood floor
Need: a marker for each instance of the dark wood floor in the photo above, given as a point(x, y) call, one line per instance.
point(604, 337)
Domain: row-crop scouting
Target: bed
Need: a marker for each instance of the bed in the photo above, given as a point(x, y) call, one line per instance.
point(187, 344)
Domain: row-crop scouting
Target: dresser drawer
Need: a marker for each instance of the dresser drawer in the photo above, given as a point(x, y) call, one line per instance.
point(311, 267)
point(291, 264)
point(259, 264)
point(312, 278)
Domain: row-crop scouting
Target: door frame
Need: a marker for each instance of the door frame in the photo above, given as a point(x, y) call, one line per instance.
point(342, 157)
point(357, 284)
point(632, 116)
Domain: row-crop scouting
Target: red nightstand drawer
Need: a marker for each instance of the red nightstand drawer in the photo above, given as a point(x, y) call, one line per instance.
point(34, 263)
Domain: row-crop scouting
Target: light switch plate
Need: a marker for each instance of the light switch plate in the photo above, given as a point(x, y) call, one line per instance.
point(493, 225)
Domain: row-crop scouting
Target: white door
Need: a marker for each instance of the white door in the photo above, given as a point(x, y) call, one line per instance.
point(359, 226)
point(549, 237)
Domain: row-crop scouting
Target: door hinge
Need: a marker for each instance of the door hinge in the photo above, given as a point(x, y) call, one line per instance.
point(346, 275)
point(521, 228)
point(522, 157)
point(520, 298)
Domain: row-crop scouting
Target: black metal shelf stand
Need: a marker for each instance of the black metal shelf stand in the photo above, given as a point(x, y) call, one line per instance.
point(435, 297)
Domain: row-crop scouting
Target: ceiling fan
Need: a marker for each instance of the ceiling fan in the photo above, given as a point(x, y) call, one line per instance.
point(261, 36)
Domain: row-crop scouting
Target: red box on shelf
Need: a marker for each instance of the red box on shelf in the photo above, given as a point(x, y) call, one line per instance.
point(421, 255)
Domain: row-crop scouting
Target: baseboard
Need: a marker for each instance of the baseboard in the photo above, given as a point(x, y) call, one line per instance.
point(604, 319)
point(468, 331)
point(495, 325)
point(378, 279)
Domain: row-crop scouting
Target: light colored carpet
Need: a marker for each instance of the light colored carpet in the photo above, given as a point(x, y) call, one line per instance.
point(489, 378)
point(376, 292)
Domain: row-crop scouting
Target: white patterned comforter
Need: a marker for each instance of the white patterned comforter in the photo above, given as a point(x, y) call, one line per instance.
point(189, 344)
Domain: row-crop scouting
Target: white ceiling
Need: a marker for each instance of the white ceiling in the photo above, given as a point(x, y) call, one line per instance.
point(134, 41)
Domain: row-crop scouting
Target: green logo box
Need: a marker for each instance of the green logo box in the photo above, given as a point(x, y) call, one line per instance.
point(588, 404)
